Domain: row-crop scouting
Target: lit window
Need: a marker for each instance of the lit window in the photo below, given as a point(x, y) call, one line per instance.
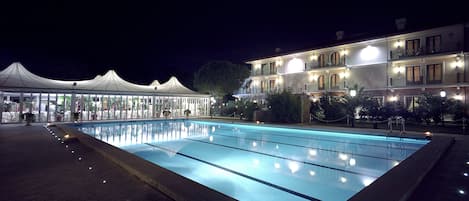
point(434, 73)
point(321, 82)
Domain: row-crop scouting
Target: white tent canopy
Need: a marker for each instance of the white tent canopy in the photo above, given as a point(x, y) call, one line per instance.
point(17, 77)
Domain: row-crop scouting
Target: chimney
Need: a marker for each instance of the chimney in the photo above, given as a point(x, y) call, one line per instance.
point(400, 23)
point(340, 35)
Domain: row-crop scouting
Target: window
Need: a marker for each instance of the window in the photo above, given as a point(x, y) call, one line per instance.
point(321, 60)
point(271, 85)
point(334, 81)
point(272, 68)
point(263, 86)
point(434, 44)
point(411, 102)
point(413, 75)
point(335, 58)
point(321, 82)
point(434, 73)
point(264, 69)
point(412, 47)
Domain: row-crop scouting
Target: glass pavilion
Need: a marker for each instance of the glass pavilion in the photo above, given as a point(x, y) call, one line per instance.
point(106, 97)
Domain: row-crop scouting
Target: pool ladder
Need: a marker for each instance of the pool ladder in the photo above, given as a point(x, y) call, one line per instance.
point(397, 121)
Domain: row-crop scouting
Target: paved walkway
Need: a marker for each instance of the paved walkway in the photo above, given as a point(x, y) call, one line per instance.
point(36, 166)
point(447, 177)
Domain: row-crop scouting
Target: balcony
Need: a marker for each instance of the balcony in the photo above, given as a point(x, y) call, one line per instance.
point(327, 65)
point(406, 54)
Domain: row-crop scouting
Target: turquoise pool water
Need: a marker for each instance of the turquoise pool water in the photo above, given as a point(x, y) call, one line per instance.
point(251, 162)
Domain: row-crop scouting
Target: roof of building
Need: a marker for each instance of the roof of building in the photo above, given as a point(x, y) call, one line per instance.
point(17, 77)
point(347, 40)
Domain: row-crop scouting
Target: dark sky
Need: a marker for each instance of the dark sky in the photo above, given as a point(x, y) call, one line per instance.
point(147, 41)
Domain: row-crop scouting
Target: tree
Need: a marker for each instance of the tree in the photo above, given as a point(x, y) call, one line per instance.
point(285, 107)
point(353, 102)
point(219, 78)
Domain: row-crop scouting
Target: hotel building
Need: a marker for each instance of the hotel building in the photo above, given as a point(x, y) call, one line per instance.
point(397, 67)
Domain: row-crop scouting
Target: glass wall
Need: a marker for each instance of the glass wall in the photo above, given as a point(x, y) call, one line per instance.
point(60, 107)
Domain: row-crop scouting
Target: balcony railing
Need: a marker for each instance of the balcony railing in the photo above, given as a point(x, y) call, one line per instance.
point(402, 53)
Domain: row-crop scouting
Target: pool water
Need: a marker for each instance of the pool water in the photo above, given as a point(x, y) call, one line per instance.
point(251, 162)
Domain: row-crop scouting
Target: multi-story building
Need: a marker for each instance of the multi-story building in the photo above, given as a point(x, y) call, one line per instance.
point(397, 67)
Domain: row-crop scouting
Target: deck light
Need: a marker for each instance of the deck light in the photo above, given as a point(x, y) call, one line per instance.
point(104, 181)
point(367, 181)
point(73, 151)
point(90, 168)
point(465, 174)
point(462, 192)
point(353, 93)
point(258, 122)
point(79, 158)
point(66, 136)
point(66, 146)
point(443, 93)
point(396, 163)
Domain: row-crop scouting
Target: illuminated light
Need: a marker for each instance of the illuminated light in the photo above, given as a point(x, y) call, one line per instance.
point(48, 124)
point(398, 44)
point(313, 57)
point(314, 99)
point(395, 163)
point(343, 179)
point(313, 152)
point(73, 151)
point(393, 98)
point(58, 139)
point(467, 163)
point(276, 146)
point(278, 63)
point(62, 142)
point(213, 129)
point(428, 135)
point(66, 136)
point(352, 162)
point(343, 156)
point(295, 66)
point(458, 97)
point(367, 181)
point(258, 122)
point(462, 192)
point(254, 144)
point(90, 168)
point(312, 173)
point(353, 92)
point(293, 166)
point(79, 158)
point(344, 52)
point(66, 146)
point(313, 77)
point(210, 138)
point(369, 53)
point(277, 165)
point(443, 93)
point(104, 181)
point(399, 69)
point(257, 66)
point(465, 174)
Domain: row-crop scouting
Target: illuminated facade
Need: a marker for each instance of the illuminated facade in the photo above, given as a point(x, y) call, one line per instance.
point(394, 68)
point(106, 97)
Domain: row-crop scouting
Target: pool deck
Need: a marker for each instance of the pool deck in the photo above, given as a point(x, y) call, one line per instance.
point(47, 170)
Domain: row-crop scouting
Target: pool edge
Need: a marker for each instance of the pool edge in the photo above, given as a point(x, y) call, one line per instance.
point(400, 182)
point(173, 185)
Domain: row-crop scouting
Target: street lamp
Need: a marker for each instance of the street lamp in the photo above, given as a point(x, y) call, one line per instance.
point(353, 92)
point(443, 98)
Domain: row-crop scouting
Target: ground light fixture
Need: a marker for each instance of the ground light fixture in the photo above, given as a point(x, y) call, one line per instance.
point(462, 192)
point(428, 135)
point(443, 93)
point(353, 92)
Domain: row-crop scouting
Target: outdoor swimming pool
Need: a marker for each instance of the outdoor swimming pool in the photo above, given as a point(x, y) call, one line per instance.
point(251, 162)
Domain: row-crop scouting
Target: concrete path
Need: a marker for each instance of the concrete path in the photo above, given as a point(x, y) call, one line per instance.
point(34, 165)
point(447, 178)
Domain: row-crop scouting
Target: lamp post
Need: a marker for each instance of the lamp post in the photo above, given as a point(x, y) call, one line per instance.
point(443, 100)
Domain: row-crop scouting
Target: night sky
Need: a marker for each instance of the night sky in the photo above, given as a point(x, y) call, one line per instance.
point(147, 41)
